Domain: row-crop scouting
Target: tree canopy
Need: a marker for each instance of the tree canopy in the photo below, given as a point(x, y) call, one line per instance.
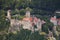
point(3, 23)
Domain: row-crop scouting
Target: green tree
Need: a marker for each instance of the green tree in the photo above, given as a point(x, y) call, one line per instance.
point(3, 23)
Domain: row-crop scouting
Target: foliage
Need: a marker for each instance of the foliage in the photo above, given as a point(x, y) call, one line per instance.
point(48, 5)
point(43, 33)
point(22, 12)
point(39, 7)
point(25, 35)
point(19, 17)
point(3, 23)
point(45, 28)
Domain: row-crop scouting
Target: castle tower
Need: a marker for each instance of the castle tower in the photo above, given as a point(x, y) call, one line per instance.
point(27, 14)
point(9, 14)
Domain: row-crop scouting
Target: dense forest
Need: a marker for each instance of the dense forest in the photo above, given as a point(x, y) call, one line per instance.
point(48, 6)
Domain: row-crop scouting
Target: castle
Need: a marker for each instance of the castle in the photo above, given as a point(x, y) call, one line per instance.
point(27, 22)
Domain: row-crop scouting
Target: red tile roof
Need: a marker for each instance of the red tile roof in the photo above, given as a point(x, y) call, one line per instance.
point(28, 19)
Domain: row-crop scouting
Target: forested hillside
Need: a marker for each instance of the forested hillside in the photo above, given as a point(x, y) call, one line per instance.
point(43, 9)
point(48, 6)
